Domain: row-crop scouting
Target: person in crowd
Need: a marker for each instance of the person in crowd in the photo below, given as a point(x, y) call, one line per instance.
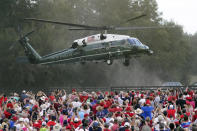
point(156, 110)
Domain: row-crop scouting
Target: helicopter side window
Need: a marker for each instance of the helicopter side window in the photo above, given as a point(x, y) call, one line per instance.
point(113, 43)
point(117, 43)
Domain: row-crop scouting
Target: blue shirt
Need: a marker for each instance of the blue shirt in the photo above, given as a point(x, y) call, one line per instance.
point(147, 111)
point(98, 129)
point(11, 124)
point(81, 114)
point(100, 114)
point(185, 124)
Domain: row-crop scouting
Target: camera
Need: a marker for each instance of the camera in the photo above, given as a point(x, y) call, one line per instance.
point(51, 127)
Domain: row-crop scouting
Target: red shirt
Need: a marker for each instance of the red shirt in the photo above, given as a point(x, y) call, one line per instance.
point(115, 127)
point(190, 93)
point(9, 105)
point(52, 98)
point(194, 117)
point(107, 130)
point(1, 100)
point(115, 109)
point(130, 114)
point(51, 123)
point(37, 125)
point(170, 98)
point(75, 124)
point(83, 98)
point(171, 112)
point(94, 108)
point(7, 114)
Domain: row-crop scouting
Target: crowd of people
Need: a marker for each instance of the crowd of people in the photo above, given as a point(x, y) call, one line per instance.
point(158, 110)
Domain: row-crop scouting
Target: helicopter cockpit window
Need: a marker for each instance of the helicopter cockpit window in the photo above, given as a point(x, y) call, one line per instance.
point(137, 42)
point(131, 41)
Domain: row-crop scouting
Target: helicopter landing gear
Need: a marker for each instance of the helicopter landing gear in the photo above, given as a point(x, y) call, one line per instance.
point(109, 61)
point(83, 62)
point(126, 62)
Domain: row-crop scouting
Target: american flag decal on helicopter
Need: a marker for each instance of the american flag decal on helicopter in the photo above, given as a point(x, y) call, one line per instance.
point(91, 39)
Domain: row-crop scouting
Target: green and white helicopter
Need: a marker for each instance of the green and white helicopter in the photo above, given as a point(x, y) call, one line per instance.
point(96, 48)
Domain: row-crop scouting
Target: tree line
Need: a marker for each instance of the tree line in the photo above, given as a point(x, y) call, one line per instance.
point(174, 51)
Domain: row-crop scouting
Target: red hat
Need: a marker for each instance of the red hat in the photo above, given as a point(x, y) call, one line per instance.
point(187, 113)
point(182, 116)
point(85, 115)
point(69, 127)
point(187, 102)
point(35, 106)
point(148, 102)
point(174, 98)
point(98, 93)
point(142, 95)
point(73, 90)
point(106, 93)
point(15, 118)
point(188, 98)
point(104, 119)
point(177, 122)
point(36, 125)
point(105, 106)
point(102, 104)
point(128, 108)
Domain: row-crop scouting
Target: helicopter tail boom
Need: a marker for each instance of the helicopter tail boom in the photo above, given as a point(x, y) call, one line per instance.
point(30, 52)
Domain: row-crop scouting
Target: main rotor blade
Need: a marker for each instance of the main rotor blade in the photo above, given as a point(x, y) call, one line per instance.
point(131, 19)
point(12, 46)
point(140, 28)
point(75, 29)
point(59, 22)
point(120, 28)
point(134, 18)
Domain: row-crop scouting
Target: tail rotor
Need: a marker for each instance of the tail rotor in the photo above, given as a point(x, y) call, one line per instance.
point(21, 36)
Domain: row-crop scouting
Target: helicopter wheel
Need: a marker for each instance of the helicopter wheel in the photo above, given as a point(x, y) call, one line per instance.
point(126, 62)
point(109, 61)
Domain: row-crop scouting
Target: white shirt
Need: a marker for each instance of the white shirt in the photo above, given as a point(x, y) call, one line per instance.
point(19, 127)
point(57, 127)
point(81, 129)
point(142, 101)
point(76, 104)
point(120, 101)
point(64, 97)
point(157, 99)
point(86, 111)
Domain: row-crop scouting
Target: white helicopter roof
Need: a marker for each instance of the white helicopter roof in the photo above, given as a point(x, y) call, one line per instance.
point(93, 39)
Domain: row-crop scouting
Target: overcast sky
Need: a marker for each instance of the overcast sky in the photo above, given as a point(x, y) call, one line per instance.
point(183, 12)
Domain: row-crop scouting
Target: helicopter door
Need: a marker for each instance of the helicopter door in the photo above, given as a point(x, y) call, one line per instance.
point(108, 50)
point(107, 46)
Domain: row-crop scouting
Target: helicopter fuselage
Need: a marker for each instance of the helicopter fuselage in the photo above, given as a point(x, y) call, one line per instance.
point(89, 49)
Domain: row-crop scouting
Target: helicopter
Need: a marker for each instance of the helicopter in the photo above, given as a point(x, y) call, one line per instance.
point(102, 47)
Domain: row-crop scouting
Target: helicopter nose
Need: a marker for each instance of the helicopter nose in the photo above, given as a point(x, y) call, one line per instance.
point(146, 47)
point(150, 52)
